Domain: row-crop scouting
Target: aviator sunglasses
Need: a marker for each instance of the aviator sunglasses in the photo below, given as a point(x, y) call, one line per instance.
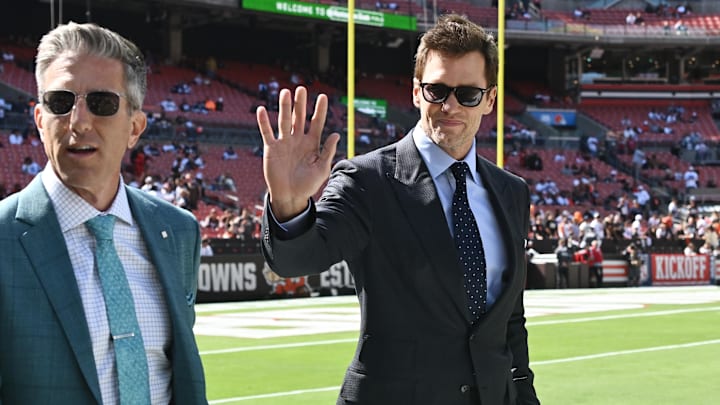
point(100, 103)
point(468, 96)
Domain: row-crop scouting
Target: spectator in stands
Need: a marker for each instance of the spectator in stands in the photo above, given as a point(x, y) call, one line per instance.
point(595, 264)
point(643, 197)
point(630, 18)
point(229, 153)
point(230, 231)
point(205, 247)
point(30, 166)
point(689, 249)
point(592, 145)
point(150, 186)
point(702, 152)
point(151, 149)
point(453, 79)
point(580, 13)
point(14, 138)
point(219, 104)
point(195, 191)
point(167, 191)
point(273, 91)
point(210, 104)
point(182, 196)
point(181, 88)
point(564, 254)
point(691, 178)
point(168, 105)
point(225, 182)
point(8, 56)
point(263, 94)
point(680, 27)
point(62, 342)
point(138, 160)
point(631, 254)
point(211, 221)
point(184, 105)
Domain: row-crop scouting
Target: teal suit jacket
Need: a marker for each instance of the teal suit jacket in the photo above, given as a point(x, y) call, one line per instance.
point(45, 350)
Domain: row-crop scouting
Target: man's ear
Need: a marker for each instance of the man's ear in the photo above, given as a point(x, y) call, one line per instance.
point(37, 115)
point(139, 123)
point(416, 92)
point(491, 98)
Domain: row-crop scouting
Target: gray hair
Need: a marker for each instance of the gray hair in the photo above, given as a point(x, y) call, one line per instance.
point(92, 39)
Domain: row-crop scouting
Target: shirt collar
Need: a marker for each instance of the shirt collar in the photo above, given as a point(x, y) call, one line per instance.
point(436, 159)
point(72, 210)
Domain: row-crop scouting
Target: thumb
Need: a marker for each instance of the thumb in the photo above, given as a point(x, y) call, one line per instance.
point(330, 147)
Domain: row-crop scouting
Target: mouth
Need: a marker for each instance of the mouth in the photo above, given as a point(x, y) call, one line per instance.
point(82, 150)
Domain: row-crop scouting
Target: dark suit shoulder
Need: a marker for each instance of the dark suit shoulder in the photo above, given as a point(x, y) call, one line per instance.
point(494, 170)
point(376, 161)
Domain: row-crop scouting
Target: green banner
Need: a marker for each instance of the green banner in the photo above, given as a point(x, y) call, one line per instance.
point(370, 106)
point(333, 13)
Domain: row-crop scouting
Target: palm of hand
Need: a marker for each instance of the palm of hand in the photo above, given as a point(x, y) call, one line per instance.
point(294, 164)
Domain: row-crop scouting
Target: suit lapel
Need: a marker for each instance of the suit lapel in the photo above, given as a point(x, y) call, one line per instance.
point(416, 192)
point(162, 246)
point(45, 247)
point(496, 187)
point(160, 241)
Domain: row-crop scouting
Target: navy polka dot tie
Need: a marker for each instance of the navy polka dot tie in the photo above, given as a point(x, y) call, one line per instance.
point(469, 244)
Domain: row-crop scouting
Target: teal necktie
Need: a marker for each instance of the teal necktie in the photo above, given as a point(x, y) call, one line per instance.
point(130, 358)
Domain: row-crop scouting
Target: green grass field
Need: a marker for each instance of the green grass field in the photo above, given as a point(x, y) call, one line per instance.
point(608, 346)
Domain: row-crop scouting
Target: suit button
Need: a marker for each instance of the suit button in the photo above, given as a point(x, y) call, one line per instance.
point(464, 388)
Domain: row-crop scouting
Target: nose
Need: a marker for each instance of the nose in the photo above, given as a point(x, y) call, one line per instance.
point(80, 116)
point(450, 103)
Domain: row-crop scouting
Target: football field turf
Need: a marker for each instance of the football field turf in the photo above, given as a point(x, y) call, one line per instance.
point(645, 345)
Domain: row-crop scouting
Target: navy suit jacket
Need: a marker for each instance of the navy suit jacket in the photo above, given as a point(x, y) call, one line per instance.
point(45, 349)
point(381, 213)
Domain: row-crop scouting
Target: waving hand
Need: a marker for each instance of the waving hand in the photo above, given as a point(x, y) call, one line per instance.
point(295, 164)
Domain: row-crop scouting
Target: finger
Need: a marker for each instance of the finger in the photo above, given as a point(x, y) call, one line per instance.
point(329, 148)
point(299, 111)
point(317, 122)
point(266, 130)
point(285, 114)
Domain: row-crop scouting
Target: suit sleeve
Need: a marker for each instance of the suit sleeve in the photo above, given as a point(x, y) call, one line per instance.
point(192, 282)
point(523, 377)
point(335, 228)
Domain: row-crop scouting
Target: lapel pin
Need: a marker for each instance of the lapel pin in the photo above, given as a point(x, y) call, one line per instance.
point(164, 234)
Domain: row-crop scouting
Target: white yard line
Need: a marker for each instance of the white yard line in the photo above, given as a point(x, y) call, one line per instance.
point(278, 346)
point(273, 395)
point(539, 323)
point(624, 352)
point(621, 316)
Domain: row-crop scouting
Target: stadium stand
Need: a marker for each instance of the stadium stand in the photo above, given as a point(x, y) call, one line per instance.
point(238, 75)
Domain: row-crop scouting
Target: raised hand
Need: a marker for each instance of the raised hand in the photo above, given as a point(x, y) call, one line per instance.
point(295, 164)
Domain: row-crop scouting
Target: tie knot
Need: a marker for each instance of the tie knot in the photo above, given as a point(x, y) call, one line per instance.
point(459, 170)
point(101, 226)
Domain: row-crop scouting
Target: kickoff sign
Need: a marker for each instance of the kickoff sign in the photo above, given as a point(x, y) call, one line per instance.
point(680, 269)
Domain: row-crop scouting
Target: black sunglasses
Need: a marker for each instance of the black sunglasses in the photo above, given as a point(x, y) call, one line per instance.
point(468, 96)
point(100, 103)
